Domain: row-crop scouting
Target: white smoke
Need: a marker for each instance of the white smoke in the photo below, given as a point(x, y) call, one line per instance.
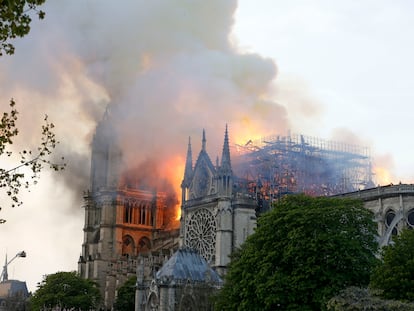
point(170, 70)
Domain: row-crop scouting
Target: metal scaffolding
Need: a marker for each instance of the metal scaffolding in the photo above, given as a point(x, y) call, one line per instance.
point(277, 165)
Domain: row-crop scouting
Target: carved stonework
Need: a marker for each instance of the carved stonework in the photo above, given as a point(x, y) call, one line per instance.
point(201, 233)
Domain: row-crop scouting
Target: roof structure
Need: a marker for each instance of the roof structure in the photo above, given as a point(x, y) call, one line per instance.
point(11, 288)
point(187, 265)
point(277, 165)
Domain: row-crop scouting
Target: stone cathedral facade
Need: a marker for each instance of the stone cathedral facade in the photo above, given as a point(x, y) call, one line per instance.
point(214, 221)
point(214, 218)
point(129, 227)
point(122, 220)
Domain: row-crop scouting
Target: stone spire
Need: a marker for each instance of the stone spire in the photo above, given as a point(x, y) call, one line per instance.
point(203, 148)
point(225, 157)
point(5, 275)
point(188, 165)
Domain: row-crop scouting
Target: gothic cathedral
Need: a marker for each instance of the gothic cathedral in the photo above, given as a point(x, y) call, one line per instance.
point(122, 220)
point(214, 218)
point(128, 225)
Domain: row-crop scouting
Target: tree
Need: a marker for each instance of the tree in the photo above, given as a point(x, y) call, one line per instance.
point(394, 276)
point(15, 21)
point(302, 253)
point(363, 299)
point(125, 300)
point(31, 163)
point(66, 290)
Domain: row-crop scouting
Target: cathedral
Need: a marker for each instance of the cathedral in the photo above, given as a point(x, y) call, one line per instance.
point(214, 218)
point(130, 228)
point(123, 219)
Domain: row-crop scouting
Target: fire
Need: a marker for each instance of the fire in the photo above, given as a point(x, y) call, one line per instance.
point(174, 170)
point(247, 132)
point(382, 175)
point(162, 175)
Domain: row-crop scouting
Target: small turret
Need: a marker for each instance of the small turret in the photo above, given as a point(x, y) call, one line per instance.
point(188, 172)
point(203, 147)
point(225, 157)
point(225, 173)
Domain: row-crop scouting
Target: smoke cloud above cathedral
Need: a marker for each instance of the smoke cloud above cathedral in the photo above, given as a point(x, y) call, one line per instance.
point(164, 69)
point(170, 68)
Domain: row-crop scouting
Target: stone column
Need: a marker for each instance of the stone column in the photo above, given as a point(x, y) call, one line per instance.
point(163, 298)
point(171, 297)
point(140, 291)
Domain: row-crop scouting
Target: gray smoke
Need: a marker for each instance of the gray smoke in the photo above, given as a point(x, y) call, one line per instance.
point(169, 68)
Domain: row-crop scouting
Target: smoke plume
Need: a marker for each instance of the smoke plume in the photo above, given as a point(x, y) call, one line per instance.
point(166, 68)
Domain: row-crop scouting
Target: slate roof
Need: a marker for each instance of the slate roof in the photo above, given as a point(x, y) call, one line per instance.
point(13, 287)
point(187, 265)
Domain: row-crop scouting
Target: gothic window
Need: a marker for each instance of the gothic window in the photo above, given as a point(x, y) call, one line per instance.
point(389, 217)
point(152, 303)
point(410, 219)
point(144, 245)
point(201, 182)
point(187, 303)
point(128, 209)
point(137, 214)
point(144, 215)
point(128, 245)
point(200, 235)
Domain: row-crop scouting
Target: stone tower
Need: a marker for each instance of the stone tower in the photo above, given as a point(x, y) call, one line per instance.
point(214, 218)
point(122, 219)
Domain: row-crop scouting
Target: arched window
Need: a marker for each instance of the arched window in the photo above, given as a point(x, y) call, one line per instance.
point(389, 217)
point(152, 304)
point(128, 213)
point(410, 219)
point(128, 245)
point(187, 303)
point(144, 245)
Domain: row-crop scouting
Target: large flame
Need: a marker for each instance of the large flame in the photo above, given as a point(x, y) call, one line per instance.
point(174, 171)
point(382, 175)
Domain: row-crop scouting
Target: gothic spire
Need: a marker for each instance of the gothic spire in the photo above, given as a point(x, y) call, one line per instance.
point(225, 157)
point(203, 148)
point(188, 163)
point(4, 275)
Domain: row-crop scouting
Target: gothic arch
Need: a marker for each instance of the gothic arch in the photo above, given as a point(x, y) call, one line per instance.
point(152, 304)
point(144, 245)
point(391, 220)
point(128, 245)
point(410, 218)
point(187, 303)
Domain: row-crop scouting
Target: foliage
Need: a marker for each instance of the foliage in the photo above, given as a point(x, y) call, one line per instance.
point(125, 300)
point(302, 253)
point(13, 179)
point(395, 275)
point(15, 21)
point(362, 299)
point(66, 290)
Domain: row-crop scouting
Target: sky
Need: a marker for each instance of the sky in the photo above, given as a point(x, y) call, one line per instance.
point(338, 70)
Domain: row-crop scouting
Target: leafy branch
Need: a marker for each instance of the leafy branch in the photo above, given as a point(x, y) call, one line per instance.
point(32, 162)
point(15, 21)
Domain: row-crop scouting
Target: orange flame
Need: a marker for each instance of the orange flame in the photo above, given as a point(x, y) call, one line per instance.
point(382, 175)
point(174, 170)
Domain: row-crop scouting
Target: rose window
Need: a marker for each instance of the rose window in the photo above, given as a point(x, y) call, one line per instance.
point(201, 233)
